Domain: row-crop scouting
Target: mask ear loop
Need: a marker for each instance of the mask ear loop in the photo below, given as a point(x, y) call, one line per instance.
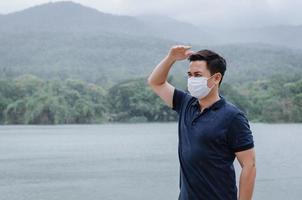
point(214, 82)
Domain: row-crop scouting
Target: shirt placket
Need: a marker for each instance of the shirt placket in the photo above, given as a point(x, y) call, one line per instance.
point(197, 115)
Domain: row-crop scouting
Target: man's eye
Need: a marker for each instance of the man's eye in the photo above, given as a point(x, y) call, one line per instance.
point(198, 75)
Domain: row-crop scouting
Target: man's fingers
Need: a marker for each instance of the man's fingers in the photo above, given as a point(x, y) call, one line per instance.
point(188, 53)
point(186, 47)
point(183, 46)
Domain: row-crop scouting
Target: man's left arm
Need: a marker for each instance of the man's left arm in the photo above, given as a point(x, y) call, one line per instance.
point(248, 173)
point(242, 144)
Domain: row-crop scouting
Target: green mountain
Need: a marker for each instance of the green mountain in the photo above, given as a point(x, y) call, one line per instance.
point(67, 63)
point(281, 35)
point(68, 40)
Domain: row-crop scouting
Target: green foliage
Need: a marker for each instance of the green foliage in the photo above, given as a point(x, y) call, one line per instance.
point(30, 100)
point(109, 58)
point(277, 99)
point(27, 84)
point(133, 100)
point(14, 113)
point(34, 101)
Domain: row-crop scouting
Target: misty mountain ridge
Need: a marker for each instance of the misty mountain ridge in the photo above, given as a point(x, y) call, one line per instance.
point(73, 17)
point(67, 16)
point(66, 39)
point(282, 35)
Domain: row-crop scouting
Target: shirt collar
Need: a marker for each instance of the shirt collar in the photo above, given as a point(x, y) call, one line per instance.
point(216, 105)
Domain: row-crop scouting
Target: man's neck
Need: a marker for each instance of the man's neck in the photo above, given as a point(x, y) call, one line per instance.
point(210, 99)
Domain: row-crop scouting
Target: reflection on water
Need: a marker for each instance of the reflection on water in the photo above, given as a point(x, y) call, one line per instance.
point(129, 161)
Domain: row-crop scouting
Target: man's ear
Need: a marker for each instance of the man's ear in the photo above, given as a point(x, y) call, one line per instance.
point(217, 78)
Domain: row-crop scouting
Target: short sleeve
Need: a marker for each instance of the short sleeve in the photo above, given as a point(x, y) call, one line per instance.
point(178, 99)
point(239, 134)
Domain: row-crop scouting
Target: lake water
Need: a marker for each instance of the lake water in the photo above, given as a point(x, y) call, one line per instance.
point(129, 162)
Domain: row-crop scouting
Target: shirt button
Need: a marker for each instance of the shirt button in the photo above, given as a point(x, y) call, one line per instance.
point(193, 123)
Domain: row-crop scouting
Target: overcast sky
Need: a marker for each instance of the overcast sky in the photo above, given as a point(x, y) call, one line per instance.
point(221, 12)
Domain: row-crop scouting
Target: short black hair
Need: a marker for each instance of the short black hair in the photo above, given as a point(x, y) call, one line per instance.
point(215, 62)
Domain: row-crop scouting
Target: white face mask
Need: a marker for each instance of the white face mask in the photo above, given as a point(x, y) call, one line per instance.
point(198, 86)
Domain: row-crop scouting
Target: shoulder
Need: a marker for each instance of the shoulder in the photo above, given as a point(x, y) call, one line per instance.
point(231, 107)
point(181, 98)
point(239, 134)
point(232, 110)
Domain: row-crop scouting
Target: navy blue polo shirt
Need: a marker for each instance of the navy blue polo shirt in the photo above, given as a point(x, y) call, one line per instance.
point(207, 144)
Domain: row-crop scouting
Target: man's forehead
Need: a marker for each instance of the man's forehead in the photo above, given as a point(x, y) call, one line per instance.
point(197, 66)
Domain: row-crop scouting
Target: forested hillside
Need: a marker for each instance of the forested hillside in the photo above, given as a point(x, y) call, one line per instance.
point(66, 63)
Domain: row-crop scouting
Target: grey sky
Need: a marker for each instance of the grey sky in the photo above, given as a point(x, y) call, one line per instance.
point(222, 12)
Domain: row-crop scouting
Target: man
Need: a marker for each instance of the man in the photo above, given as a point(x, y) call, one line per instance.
point(212, 131)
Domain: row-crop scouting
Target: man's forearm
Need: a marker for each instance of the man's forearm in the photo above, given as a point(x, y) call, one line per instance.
point(160, 72)
point(247, 182)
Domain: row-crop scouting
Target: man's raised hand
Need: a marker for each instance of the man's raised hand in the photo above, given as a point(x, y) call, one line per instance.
point(180, 52)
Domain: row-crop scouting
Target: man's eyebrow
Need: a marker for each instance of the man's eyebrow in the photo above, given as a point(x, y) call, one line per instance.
point(194, 72)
